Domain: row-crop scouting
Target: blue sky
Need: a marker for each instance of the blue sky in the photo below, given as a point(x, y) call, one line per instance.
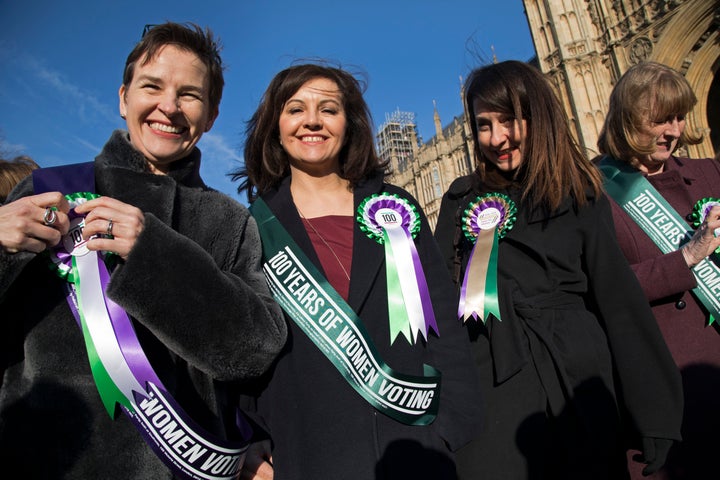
point(61, 62)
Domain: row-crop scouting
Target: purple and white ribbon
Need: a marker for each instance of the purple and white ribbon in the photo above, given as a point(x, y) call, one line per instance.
point(393, 222)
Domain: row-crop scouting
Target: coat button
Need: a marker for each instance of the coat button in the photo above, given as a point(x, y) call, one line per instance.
point(680, 304)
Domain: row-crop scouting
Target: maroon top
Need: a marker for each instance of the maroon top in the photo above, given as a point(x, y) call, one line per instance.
point(335, 252)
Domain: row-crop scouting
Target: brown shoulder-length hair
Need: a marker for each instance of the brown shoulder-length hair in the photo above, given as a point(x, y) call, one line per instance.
point(553, 165)
point(646, 92)
point(189, 37)
point(267, 163)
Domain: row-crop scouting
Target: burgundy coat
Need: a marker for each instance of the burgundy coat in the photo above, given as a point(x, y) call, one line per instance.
point(695, 346)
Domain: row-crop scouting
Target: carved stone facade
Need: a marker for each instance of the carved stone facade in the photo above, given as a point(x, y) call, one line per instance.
point(584, 46)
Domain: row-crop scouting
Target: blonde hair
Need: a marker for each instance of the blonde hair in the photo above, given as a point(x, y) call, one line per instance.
point(647, 91)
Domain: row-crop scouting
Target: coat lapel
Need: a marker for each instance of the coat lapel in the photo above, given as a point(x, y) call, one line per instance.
point(281, 203)
point(366, 262)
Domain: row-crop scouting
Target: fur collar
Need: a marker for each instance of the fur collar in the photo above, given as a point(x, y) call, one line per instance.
point(118, 152)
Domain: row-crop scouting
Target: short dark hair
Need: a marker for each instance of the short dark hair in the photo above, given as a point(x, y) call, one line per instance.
point(266, 162)
point(189, 37)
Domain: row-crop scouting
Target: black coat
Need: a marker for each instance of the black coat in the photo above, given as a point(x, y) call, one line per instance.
point(198, 300)
point(321, 427)
point(577, 358)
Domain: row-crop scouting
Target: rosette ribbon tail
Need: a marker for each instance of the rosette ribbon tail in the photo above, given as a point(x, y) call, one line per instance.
point(399, 321)
point(478, 294)
point(492, 304)
point(413, 285)
point(428, 312)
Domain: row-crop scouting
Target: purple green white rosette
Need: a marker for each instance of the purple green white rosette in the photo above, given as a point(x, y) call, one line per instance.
point(72, 244)
point(700, 212)
point(485, 220)
point(393, 222)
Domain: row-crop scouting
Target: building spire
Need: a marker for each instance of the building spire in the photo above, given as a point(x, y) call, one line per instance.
point(438, 124)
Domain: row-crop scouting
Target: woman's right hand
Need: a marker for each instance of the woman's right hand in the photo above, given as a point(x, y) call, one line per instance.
point(703, 242)
point(24, 225)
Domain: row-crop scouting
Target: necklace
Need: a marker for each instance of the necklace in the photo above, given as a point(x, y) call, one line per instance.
point(325, 243)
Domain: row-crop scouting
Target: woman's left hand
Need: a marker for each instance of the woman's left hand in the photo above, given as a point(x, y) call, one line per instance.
point(111, 225)
point(704, 241)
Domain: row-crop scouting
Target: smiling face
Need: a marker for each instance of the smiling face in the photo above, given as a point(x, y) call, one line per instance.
point(312, 127)
point(499, 137)
point(665, 133)
point(166, 106)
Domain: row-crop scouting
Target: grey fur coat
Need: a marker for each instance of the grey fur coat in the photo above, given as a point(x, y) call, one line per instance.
point(198, 300)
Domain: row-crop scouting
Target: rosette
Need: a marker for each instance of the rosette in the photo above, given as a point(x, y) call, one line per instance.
point(700, 212)
point(486, 220)
point(393, 222)
point(72, 244)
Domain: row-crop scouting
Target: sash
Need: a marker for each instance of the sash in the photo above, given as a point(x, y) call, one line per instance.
point(667, 229)
point(324, 316)
point(122, 373)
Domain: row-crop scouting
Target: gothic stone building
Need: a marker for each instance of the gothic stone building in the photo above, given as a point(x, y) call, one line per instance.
point(584, 46)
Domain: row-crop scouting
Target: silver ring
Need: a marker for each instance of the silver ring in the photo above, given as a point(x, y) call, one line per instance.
point(109, 229)
point(50, 216)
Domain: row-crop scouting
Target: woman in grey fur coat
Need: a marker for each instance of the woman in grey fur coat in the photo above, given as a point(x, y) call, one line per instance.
point(128, 364)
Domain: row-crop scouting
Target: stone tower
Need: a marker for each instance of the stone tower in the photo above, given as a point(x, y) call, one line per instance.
point(584, 46)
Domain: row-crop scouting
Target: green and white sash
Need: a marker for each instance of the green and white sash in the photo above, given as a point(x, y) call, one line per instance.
point(667, 229)
point(325, 317)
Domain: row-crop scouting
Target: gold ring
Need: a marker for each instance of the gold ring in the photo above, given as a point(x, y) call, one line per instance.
point(50, 216)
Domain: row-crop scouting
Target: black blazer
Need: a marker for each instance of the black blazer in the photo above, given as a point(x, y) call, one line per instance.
point(321, 428)
point(576, 341)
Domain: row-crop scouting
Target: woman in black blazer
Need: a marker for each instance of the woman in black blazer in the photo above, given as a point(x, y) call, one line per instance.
point(376, 380)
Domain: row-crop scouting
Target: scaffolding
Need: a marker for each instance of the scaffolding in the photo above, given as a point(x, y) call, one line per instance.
point(398, 140)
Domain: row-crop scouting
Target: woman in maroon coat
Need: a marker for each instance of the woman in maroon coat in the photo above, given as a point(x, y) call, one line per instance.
point(659, 200)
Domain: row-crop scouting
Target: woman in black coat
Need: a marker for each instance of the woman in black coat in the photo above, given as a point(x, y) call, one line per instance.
point(178, 313)
point(317, 192)
point(569, 353)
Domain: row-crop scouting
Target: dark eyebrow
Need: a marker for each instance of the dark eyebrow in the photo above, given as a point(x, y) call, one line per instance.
point(154, 79)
